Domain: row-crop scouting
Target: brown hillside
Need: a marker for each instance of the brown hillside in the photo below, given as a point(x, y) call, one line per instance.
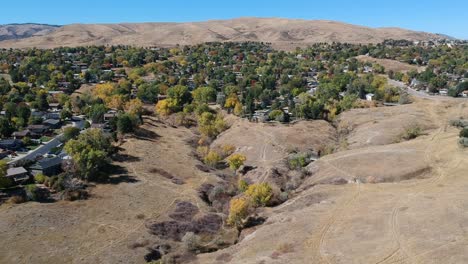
point(282, 33)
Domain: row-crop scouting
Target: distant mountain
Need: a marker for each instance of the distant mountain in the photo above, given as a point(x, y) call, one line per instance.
point(282, 33)
point(21, 31)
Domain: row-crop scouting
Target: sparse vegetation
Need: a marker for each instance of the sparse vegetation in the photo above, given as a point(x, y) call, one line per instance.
point(411, 132)
point(235, 161)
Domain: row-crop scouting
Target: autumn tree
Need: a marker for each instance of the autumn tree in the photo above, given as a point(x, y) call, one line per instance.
point(259, 193)
point(235, 161)
point(238, 211)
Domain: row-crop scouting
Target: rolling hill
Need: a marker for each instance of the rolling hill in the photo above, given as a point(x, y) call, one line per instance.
point(21, 31)
point(282, 33)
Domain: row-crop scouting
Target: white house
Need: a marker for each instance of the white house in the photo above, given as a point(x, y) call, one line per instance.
point(369, 96)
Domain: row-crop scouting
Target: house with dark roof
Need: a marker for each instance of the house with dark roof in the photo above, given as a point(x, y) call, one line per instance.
point(38, 129)
point(25, 133)
point(47, 166)
point(53, 115)
point(18, 174)
point(52, 123)
point(11, 144)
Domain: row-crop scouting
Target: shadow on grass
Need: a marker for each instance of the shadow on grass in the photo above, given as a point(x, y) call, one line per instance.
point(145, 134)
point(117, 175)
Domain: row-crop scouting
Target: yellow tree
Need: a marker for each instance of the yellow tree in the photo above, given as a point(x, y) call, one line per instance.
point(116, 102)
point(238, 211)
point(231, 101)
point(103, 91)
point(163, 107)
point(134, 107)
point(259, 193)
point(236, 160)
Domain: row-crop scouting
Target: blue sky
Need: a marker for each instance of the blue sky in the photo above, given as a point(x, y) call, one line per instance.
point(447, 17)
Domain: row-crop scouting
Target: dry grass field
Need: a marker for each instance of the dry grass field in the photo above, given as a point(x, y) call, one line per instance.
point(393, 65)
point(370, 202)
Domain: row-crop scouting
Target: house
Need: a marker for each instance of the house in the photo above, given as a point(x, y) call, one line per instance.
point(4, 153)
point(443, 92)
point(37, 114)
point(220, 98)
point(110, 115)
point(25, 133)
point(369, 96)
point(47, 166)
point(52, 123)
point(52, 115)
point(98, 126)
point(54, 106)
point(261, 115)
point(38, 129)
point(11, 144)
point(18, 174)
point(464, 93)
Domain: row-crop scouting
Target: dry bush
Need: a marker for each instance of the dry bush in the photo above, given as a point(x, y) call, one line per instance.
point(16, 199)
point(282, 249)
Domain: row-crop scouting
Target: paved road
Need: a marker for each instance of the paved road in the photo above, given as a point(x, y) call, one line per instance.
point(41, 150)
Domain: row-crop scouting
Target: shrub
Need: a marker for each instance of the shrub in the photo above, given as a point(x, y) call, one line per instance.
point(203, 151)
point(16, 199)
point(227, 150)
point(411, 132)
point(36, 194)
point(298, 161)
point(40, 178)
point(212, 159)
point(70, 133)
point(260, 193)
point(5, 182)
point(191, 241)
point(464, 133)
point(238, 211)
point(242, 185)
point(236, 160)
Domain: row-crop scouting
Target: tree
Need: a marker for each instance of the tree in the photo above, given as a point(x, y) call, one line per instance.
point(134, 107)
point(4, 182)
point(204, 95)
point(211, 125)
point(126, 123)
point(238, 210)
point(148, 92)
point(41, 100)
point(236, 160)
point(70, 133)
point(90, 153)
point(96, 113)
point(260, 193)
point(6, 128)
point(164, 107)
point(66, 114)
point(180, 95)
point(212, 158)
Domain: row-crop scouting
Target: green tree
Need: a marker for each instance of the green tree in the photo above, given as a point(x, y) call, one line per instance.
point(6, 128)
point(204, 95)
point(180, 95)
point(70, 133)
point(126, 123)
point(90, 153)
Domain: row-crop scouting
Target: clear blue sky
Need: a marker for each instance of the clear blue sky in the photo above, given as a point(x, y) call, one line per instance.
point(447, 17)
